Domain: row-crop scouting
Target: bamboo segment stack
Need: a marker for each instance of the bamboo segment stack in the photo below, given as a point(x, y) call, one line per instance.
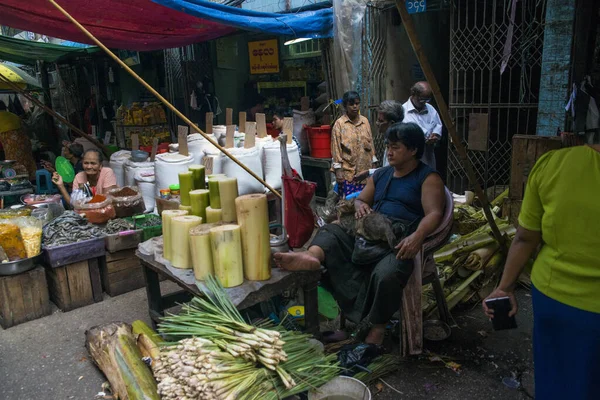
point(227, 254)
point(213, 215)
point(199, 200)
point(202, 259)
point(181, 256)
point(167, 215)
point(253, 218)
point(228, 192)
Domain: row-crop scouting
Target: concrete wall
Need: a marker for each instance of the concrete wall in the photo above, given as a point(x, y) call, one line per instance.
point(556, 64)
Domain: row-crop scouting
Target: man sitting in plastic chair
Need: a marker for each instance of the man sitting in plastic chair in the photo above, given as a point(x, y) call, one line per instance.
point(411, 195)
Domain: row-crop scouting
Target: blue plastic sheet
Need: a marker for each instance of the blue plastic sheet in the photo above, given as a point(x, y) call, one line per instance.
point(306, 24)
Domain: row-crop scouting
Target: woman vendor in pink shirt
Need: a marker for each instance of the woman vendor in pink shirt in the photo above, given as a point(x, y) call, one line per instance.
point(100, 179)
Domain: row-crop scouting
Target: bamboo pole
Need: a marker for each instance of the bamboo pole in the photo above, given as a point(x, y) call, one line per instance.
point(50, 111)
point(193, 126)
point(445, 114)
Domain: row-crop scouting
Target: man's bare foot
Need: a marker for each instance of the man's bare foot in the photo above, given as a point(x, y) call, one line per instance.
point(301, 261)
point(376, 335)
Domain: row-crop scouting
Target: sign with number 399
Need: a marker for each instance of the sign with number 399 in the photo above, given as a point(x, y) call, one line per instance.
point(416, 6)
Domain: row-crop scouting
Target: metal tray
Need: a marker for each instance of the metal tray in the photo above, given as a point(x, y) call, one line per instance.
point(20, 266)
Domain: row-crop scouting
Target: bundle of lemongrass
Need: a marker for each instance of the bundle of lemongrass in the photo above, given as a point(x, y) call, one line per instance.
point(223, 357)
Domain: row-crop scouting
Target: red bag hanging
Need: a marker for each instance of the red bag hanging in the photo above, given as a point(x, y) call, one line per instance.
point(299, 217)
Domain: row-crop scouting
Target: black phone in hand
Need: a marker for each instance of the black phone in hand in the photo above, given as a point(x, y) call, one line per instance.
point(501, 307)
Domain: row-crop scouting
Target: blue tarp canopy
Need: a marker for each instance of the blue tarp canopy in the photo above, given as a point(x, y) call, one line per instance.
point(306, 24)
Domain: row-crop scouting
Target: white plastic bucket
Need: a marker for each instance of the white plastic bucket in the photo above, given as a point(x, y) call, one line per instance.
point(341, 387)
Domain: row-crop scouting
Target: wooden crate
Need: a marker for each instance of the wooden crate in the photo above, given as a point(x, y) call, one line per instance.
point(121, 272)
point(23, 297)
point(75, 285)
point(511, 209)
point(526, 150)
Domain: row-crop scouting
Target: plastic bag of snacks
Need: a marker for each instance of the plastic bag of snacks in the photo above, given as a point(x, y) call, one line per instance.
point(31, 232)
point(12, 241)
point(127, 201)
point(98, 210)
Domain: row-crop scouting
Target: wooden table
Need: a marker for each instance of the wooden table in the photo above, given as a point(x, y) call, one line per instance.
point(158, 303)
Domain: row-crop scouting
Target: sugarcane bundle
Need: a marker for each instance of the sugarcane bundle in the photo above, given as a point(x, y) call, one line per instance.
point(147, 340)
point(473, 241)
point(113, 348)
point(223, 357)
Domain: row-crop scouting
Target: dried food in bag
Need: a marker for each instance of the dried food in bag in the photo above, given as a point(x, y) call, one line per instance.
point(99, 212)
point(31, 232)
point(12, 241)
point(127, 201)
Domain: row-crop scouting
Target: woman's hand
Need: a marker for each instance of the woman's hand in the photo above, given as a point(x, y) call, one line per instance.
point(497, 294)
point(362, 209)
point(48, 166)
point(57, 179)
point(409, 247)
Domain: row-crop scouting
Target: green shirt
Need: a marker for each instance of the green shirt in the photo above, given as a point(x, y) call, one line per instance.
point(562, 200)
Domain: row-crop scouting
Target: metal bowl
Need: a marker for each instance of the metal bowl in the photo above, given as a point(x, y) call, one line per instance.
point(19, 266)
point(435, 330)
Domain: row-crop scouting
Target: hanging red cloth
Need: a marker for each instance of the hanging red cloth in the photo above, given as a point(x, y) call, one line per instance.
point(299, 217)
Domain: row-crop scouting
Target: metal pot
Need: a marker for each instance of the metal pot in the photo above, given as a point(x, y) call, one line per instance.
point(19, 266)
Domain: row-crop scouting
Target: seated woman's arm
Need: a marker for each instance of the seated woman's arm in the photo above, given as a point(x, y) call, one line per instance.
point(433, 201)
point(364, 201)
point(58, 181)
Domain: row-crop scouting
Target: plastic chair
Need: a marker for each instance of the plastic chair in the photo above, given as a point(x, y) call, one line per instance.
point(43, 182)
point(425, 272)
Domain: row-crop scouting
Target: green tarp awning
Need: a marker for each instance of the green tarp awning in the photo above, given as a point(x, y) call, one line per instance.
point(27, 52)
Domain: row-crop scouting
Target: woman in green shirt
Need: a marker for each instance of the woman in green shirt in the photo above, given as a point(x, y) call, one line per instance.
point(561, 211)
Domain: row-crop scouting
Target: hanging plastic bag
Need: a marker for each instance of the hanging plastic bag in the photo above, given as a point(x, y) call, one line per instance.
point(360, 354)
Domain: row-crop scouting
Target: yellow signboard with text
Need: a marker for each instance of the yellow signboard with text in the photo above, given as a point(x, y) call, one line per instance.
point(264, 57)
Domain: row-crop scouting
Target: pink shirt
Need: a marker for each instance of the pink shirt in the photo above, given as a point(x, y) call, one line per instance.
point(106, 179)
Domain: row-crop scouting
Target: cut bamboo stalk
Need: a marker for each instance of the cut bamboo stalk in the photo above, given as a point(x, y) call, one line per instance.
point(209, 122)
point(228, 192)
point(229, 116)
point(180, 240)
point(213, 215)
point(198, 172)
point(242, 121)
point(250, 138)
point(167, 215)
point(161, 98)
point(114, 349)
point(186, 208)
point(229, 136)
point(213, 188)
point(261, 125)
point(199, 200)
point(253, 217)
point(186, 185)
point(202, 259)
point(227, 255)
